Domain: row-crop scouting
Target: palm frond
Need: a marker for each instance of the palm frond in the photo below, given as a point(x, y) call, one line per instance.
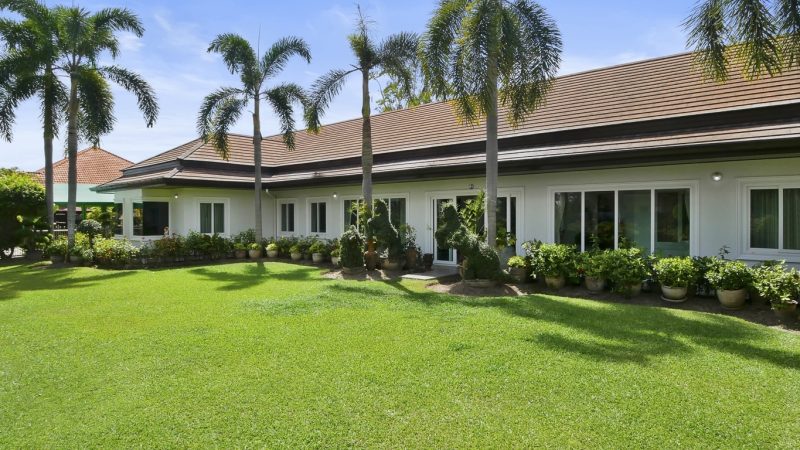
point(437, 44)
point(324, 89)
point(754, 33)
point(134, 83)
point(281, 98)
point(239, 57)
point(397, 58)
point(118, 19)
point(708, 33)
point(788, 16)
point(211, 104)
point(275, 59)
point(227, 114)
point(96, 102)
point(12, 93)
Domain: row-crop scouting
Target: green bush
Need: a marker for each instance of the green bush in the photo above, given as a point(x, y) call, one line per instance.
point(57, 247)
point(730, 276)
point(480, 260)
point(627, 267)
point(272, 246)
point(320, 247)
point(239, 246)
point(20, 195)
point(169, 247)
point(246, 237)
point(352, 248)
point(777, 285)
point(554, 260)
point(675, 272)
point(114, 252)
point(386, 235)
point(254, 246)
point(517, 262)
point(594, 264)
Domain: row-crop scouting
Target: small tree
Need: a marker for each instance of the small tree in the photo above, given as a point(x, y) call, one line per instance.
point(20, 196)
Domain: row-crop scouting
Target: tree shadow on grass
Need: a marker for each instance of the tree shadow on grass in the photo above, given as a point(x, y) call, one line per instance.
point(30, 278)
point(619, 333)
point(253, 275)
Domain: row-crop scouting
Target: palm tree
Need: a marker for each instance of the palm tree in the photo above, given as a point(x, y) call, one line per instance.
point(395, 57)
point(222, 108)
point(486, 54)
point(82, 38)
point(26, 71)
point(761, 35)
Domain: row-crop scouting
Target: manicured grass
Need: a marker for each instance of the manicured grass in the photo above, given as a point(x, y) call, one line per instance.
point(277, 356)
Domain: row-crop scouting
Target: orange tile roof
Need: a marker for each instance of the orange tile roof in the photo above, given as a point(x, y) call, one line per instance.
point(95, 166)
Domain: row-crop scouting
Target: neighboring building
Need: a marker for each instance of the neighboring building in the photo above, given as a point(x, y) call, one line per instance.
point(644, 151)
point(95, 167)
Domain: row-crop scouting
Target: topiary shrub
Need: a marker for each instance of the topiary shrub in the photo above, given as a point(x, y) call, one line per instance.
point(387, 236)
point(480, 260)
point(351, 247)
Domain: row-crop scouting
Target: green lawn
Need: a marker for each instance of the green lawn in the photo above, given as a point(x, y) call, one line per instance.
point(277, 356)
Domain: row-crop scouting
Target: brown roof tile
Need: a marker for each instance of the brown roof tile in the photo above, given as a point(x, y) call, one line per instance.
point(95, 166)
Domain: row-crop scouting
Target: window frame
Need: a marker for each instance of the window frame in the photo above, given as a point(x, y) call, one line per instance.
point(227, 216)
point(375, 196)
point(278, 216)
point(746, 185)
point(694, 207)
point(309, 202)
point(150, 237)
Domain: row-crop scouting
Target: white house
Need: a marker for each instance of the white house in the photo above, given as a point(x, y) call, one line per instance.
point(645, 151)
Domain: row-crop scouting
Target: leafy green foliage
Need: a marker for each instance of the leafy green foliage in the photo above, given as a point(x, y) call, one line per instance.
point(628, 267)
point(107, 218)
point(676, 272)
point(352, 248)
point(553, 260)
point(730, 276)
point(517, 262)
point(776, 284)
point(115, 253)
point(386, 234)
point(596, 264)
point(91, 228)
point(20, 195)
point(480, 260)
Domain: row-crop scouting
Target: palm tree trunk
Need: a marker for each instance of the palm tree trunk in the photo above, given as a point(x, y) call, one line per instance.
point(491, 156)
point(72, 156)
point(257, 163)
point(48, 149)
point(366, 142)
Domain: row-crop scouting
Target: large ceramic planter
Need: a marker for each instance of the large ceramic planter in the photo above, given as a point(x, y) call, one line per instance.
point(391, 265)
point(240, 254)
point(555, 282)
point(296, 256)
point(254, 254)
point(352, 270)
point(595, 284)
point(479, 283)
point(335, 261)
point(732, 299)
point(674, 294)
point(519, 274)
point(317, 258)
point(272, 254)
point(785, 311)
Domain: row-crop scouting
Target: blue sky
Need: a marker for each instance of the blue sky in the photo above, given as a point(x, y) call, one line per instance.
point(172, 56)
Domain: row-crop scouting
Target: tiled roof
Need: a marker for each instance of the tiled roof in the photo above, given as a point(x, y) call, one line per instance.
point(95, 166)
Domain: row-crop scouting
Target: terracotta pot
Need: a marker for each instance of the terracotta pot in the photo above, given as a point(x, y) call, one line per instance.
point(391, 265)
point(787, 311)
point(732, 299)
point(254, 254)
point(519, 274)
point(335, 260)
point(272, 253)
point(479, 283)
point(296, 256)
point(411, 258)
point(595, 284)
point(371, 258)
point(674, 294)
point(555, 282)
point(317, 258)
point(240, 254)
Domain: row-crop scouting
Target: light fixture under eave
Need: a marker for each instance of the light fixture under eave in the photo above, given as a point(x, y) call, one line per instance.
point(335, 195)
point(176, 196)
point(716, 177)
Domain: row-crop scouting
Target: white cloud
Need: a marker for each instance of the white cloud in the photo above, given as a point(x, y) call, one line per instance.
point(183, 36)
point(130, 42)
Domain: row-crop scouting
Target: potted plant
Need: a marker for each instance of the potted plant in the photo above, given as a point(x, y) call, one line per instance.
point(239, 250)
point(371, 257)
point(675, 275)
point(296, 252)
point(731, 280)
point(57, 250)
point(780, 288)
point(335, 257)
point(554, 262)
point(408, 241)
point(594, 266)
point(319, 251)
point(255, 251)
point(427, 261)
point(272, 250)
point(518, 269)
point(76, 255)
point(351, 247)
point(627, 270)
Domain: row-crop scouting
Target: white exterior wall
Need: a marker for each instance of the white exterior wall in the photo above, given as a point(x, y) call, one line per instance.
point(718, 214)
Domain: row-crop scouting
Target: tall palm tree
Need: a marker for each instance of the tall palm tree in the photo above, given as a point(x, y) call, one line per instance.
point(82, 38)
point(394, 56)
point(221, 109)
point(26, 71)
point(486, 54)
point(761, 35)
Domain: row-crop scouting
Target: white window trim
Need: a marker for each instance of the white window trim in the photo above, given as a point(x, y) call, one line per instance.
point(151, 237)
point(694, 207)
point(429, 244)
point(328, 203)
point(375, 196)
point(124, 204)
point(278, 203)
point(745, 185)
point(212, 200)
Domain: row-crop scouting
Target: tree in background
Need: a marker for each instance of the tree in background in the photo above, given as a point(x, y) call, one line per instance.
point(763, 36)
point(222, 108)
point(486, 54)
point(395, 57)
point(27, 71)
point(22, 199)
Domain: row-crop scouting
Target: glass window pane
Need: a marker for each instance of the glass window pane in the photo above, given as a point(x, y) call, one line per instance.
point(514, 216)
point(442, 253)
point(397, 208)
point(672, 222)
point(138, 223)
point(634, 219)
point(568, 218)
point(219, 217)
point(791, 219)
point(284, 224)
point(155, 218)
point(764, 218)
point(502, 215)
point(118, 218)
point(599, 219)
point(350, 214)
point(314, 218)
point(205, 217)
point(322, 217)
point(290, 213)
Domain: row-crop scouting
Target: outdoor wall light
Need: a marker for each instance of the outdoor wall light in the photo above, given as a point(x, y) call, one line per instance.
point(176, 196)
point(716, 177)
point(471, 186)
point(335, 195)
